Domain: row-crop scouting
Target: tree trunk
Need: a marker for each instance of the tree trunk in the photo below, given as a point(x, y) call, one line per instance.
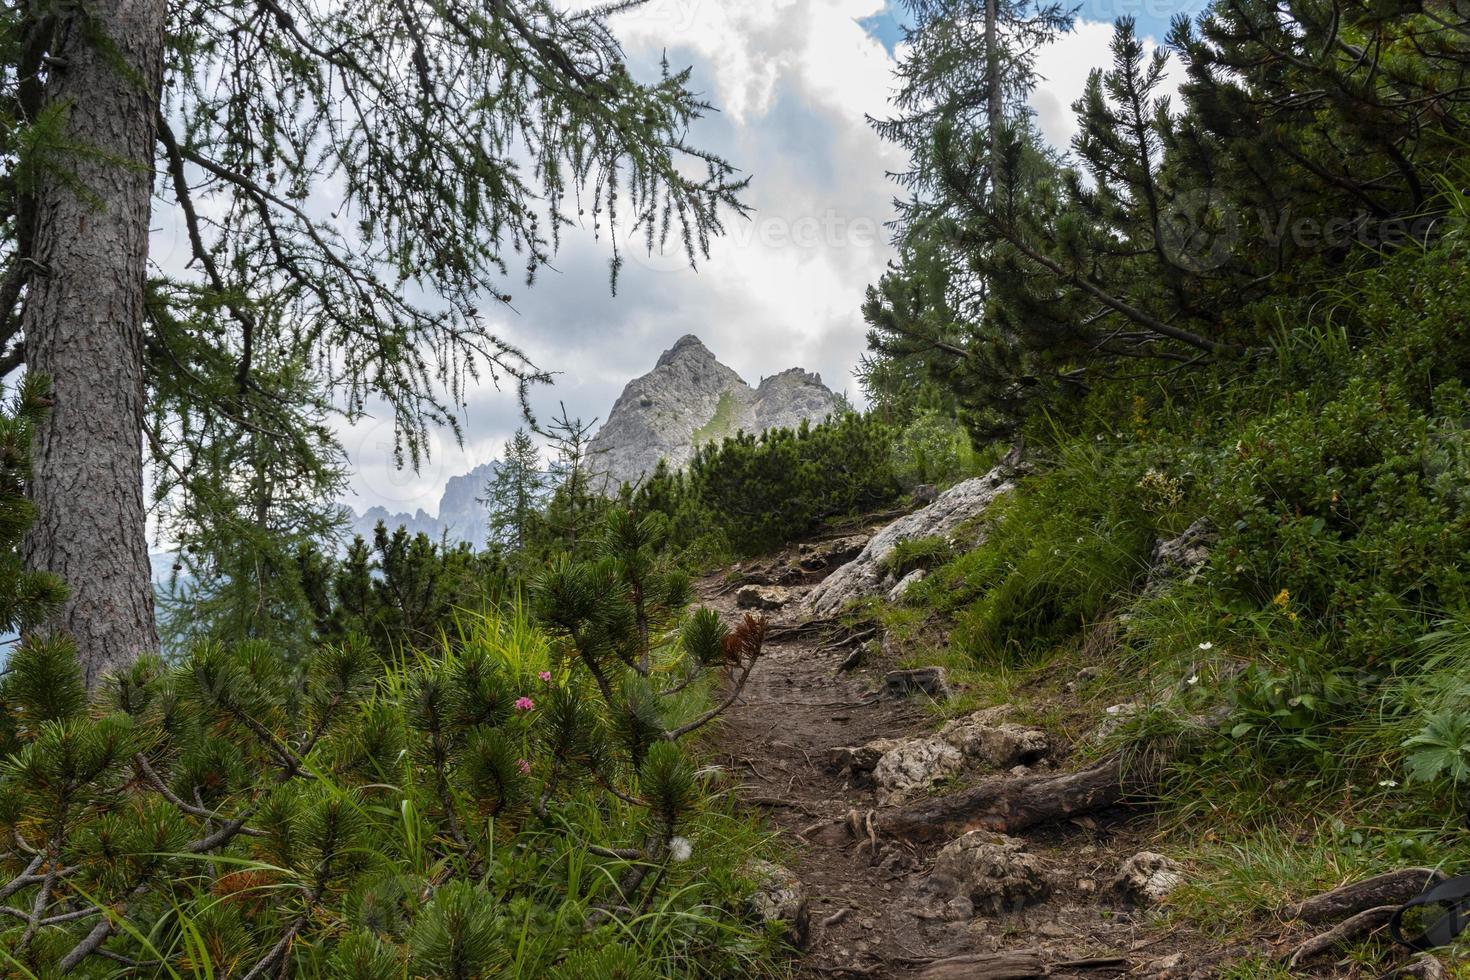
point(84, 329)
point(1012, 804)
point(994, 91)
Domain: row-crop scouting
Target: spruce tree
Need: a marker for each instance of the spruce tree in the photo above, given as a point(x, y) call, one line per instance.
point(515, 494)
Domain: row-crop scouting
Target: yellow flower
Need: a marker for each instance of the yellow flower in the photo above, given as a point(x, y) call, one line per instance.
point(1283, 598)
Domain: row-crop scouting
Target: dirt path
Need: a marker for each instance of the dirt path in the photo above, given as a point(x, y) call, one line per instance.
point(872, 912)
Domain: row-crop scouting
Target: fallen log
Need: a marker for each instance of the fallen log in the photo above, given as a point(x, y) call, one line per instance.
point(1011, 804)
point(1392, 888)
point(987, 966)
point(1361, 924)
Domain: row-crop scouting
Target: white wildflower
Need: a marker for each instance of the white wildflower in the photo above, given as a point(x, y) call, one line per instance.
point(680, 849)
point(1194, 679)
point(1207, 645)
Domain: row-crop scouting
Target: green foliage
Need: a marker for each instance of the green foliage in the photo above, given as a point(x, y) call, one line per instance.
point(1441, 749)
point(916, 553)
point(26, 596)
point(1176, 232)
point(1327, 626)
point(752, 494)
point(514, 495)
point(465, 807)
point(1052, 559)
point(933, 448)
point(401, 592)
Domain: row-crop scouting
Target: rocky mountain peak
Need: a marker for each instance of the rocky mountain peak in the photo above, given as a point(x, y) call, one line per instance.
point(686, 348)
point(690, 398)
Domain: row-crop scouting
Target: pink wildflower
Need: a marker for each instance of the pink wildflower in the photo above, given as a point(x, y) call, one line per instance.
point(525, 704)
point(524, 767)
point(545, 676)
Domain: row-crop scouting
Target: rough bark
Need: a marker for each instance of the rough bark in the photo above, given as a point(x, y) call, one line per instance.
point(987, 966)
point(84, 329)
point(1392, 888)
point(1010, 804)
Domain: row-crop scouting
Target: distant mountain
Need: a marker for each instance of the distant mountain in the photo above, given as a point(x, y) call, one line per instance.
point(461, 516)
point(690, 398)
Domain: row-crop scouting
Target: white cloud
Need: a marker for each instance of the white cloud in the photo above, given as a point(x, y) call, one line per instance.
point(1064, 67)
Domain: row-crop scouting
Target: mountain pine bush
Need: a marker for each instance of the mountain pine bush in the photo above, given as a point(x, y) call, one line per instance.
point(502, 800)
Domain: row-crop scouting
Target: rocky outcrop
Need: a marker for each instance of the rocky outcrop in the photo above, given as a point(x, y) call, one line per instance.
point(864, 575)
point(901, 768)
point(690, 398)
point(914, 765)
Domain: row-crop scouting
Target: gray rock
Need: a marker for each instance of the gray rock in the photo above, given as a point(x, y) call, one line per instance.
point(907, 582)
point(1425, 967)
point(924, 494)
point(899, 768)
point(1147, 878)
point(461, 516)
point(765, 597)
point(1114, 717)
point(914, 765)
point(863, 576)
point(690, 398)
point(780, 898)
point(921, 680)
point(1182, 557)
point(995, 872)
point(1000, 746)
point(831, 554)
point(859, 760)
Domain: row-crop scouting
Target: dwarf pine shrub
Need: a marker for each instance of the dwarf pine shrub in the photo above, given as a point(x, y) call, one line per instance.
point(511, 800)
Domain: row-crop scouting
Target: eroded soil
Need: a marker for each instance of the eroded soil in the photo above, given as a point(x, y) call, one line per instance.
point(872, 910)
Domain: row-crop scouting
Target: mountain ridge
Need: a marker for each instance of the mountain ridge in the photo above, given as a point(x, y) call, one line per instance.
point(687, 399)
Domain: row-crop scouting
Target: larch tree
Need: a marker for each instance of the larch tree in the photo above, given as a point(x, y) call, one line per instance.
point(354, 182)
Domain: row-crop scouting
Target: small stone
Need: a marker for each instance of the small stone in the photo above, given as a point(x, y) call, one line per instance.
point(1113, 718)
point(1002, 746)
point(1164, 966)
point(923, 680)
point(1147, 878)
point(1183, 556)
point(1086, 886)
point(1087, 675)
point(780, 898)
point(959, 909)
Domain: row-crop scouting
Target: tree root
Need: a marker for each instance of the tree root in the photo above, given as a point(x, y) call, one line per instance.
point(1011, 804)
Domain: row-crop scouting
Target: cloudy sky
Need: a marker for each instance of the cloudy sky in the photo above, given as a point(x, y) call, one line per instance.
point(794, 81)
